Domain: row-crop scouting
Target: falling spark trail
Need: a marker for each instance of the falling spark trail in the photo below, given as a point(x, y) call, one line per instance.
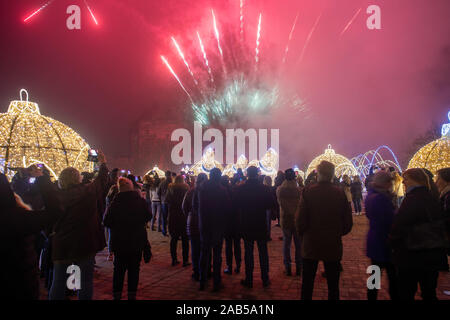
point(241, 19)
point(289, 39)
point(308, 39)
point(216, 32)
point(205, 57)
point(258, 37)
point(90, 11)
point(176, 77)
point(350, 22)
point(184, 60)
point(38, 10)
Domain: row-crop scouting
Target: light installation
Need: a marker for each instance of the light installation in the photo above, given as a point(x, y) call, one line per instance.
point(342, 164)
point(436, 154)
point(157, 171)
point(363, 162)
point(268, 164)
point(206, 164)
point(299, 172)
point(27, 137)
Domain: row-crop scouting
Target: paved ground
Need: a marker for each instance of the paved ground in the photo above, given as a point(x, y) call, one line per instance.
point(159, 280)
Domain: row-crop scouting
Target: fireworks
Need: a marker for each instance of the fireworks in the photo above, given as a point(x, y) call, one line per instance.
point(289, 40)
point(176, 77)
point(216, 32)
point(90, 12)
point(350, 22)
point(184, 60)
point(258, 37)
point(308, 39)
point(241, 19)
point(38, 10)
point(50, 2)
point(205, 57)
point(235, 80)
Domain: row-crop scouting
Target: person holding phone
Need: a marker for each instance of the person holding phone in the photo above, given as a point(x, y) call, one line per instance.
point(19, 267)
point(77, 234)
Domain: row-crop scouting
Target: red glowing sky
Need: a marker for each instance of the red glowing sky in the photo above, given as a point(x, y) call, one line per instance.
point(364, 89)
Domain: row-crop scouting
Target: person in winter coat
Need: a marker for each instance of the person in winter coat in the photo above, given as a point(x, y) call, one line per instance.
point(213, 206)
point(111, 192)
point(278, 181)
point(77, 237)
point(288, 195)
point(323, 217)
point(177, 220)
point(162, 193)
point(192, 228)
point(356, 192)
point(253, 199)
point(19, 274)
point(156, 204)
point(345, 184)
point(232, 234)
point(148, 183)
point(398, 189)
point(443, 185)
point(127, 217)
point(380, 212)
point(272, 212)
point(418, 249)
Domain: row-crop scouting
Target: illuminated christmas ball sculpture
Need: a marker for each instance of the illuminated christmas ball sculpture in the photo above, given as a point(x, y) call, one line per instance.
point(436, 154)
point(156, 171)
point(206, 164)
point(342, 164)
point(27, 137)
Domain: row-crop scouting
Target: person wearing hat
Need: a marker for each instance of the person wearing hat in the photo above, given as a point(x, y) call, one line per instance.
point(380, 212)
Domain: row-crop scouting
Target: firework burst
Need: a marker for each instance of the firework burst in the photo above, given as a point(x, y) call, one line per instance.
point(233, 80)
point(45, 5)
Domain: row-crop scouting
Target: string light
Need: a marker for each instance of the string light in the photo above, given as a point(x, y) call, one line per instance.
point(436, 154)
point(156, 170)
point(26, 135)
point(342, 164)
point(364, 162)
point(268, 164)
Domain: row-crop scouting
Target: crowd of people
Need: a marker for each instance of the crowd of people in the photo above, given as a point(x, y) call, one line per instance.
point(49, 226)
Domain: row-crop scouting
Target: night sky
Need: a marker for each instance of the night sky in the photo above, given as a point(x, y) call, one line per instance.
point(362, 90)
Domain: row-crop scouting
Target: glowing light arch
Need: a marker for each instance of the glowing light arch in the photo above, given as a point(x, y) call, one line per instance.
point(363, 162)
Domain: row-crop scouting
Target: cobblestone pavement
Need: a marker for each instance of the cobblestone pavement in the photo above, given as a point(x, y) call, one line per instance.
point(160, 281)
